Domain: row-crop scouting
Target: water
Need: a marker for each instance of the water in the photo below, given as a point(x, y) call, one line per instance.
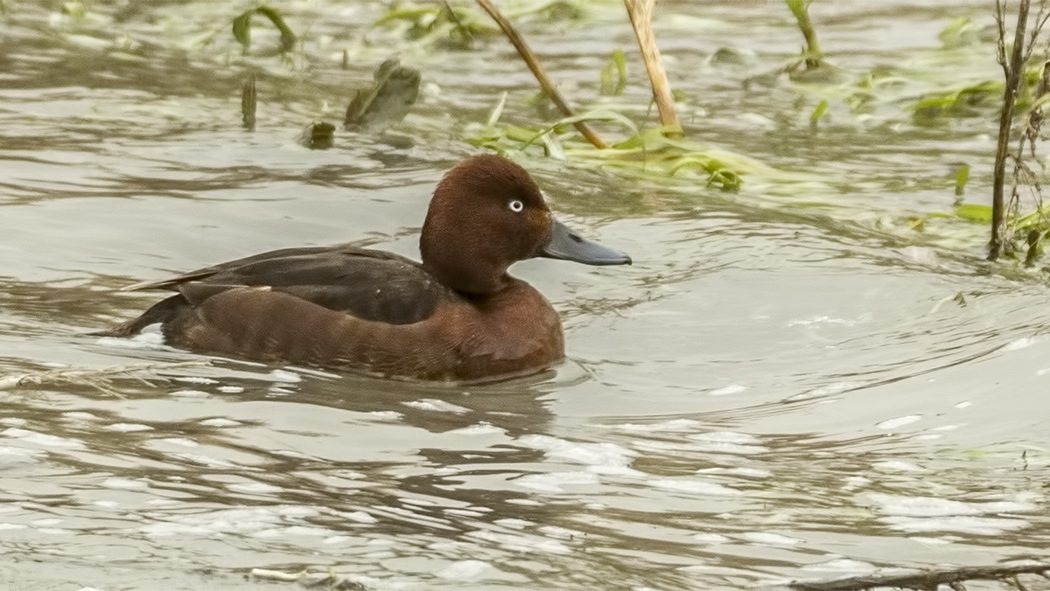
point(771, 392)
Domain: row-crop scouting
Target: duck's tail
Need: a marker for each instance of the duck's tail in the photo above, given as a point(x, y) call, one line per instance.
point(162, 312)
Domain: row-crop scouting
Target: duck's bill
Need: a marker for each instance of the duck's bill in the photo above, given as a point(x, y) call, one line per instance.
point(570, 246)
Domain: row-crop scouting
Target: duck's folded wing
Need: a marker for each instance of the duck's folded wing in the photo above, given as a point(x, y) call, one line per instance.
point(368, 284)
point(278, 258)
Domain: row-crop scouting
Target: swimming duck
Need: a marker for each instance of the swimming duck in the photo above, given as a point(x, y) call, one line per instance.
point(457, 316)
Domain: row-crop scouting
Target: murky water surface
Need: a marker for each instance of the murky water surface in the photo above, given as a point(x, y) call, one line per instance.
point(771, 392)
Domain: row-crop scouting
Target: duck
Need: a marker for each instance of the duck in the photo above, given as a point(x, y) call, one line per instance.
point(457, 315)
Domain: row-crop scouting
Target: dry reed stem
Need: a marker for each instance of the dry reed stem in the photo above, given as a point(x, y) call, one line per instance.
point(541, 75)
point(641, 13)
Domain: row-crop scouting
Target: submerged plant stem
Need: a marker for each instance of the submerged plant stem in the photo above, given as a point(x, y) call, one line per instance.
point(249, 103)
point(541, 75)
point(641, 13)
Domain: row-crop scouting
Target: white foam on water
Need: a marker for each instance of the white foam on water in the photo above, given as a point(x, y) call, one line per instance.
point(220, 422)
point(482, 428)
point(742, 472)
point(244, 521)
point(127, 427)
point(520, 543)
point(1021, 343)
point(42, 439)
point(555, 482)
point(728, 442)
point(359, 516)
point(196, 380)
point(936, 507)
point(190, 394)
point(727, 390)
point(254, 488)
point(821, 320)
point(434, 405)
point(283, 375)
point(710, 539)
point(181, 442)
point(149, 339)
point(124, 484)
point(898, 422)
point(514, 523)
point(771, 539)
point(672, 426)
point(561, 533)
point(602, 458)
point(841, 566)
point(896, 466)
point(18, 454)
point(965, 524)
point(826, 390)
point(465, 570)
point(693, 486)
point(294, 530)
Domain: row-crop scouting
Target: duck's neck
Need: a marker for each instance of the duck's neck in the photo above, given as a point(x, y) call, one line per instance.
point(470, 279)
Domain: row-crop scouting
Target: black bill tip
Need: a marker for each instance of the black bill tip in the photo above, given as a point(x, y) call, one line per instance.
point(570, 246)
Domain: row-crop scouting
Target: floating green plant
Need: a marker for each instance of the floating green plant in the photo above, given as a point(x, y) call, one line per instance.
point(650, 151)
point(614, 75)
point(387, 101)
point(242, 27)
point(966, 101)
point(453, 26)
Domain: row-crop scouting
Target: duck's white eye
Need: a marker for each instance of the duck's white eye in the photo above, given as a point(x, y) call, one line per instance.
point(517, 206)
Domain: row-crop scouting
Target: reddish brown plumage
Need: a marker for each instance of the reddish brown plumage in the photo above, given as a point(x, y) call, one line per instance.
point(458, 316)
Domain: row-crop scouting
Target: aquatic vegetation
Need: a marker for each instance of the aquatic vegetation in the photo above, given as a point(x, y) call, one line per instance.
point(242, 27)
point(453, 27)
point(964, 32)
point(614, 75)
point(1006, 219)
point(298, 49)
point(387, 101)
point(660, 150)
point(457, 26)
point(967, 101)
point(652, 153)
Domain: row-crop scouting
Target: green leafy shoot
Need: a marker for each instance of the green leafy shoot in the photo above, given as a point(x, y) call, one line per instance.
point(974, 212)
point(818, 112)
point(970, 100)
point(75, 10)
point(962, 175)
point(614, 75)
point(961, 32)
point(242, 28)
point(497, 111)
point(442, 24)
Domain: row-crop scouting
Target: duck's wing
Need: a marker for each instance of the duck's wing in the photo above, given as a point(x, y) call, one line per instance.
point(368, 284)
point(275, 256)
